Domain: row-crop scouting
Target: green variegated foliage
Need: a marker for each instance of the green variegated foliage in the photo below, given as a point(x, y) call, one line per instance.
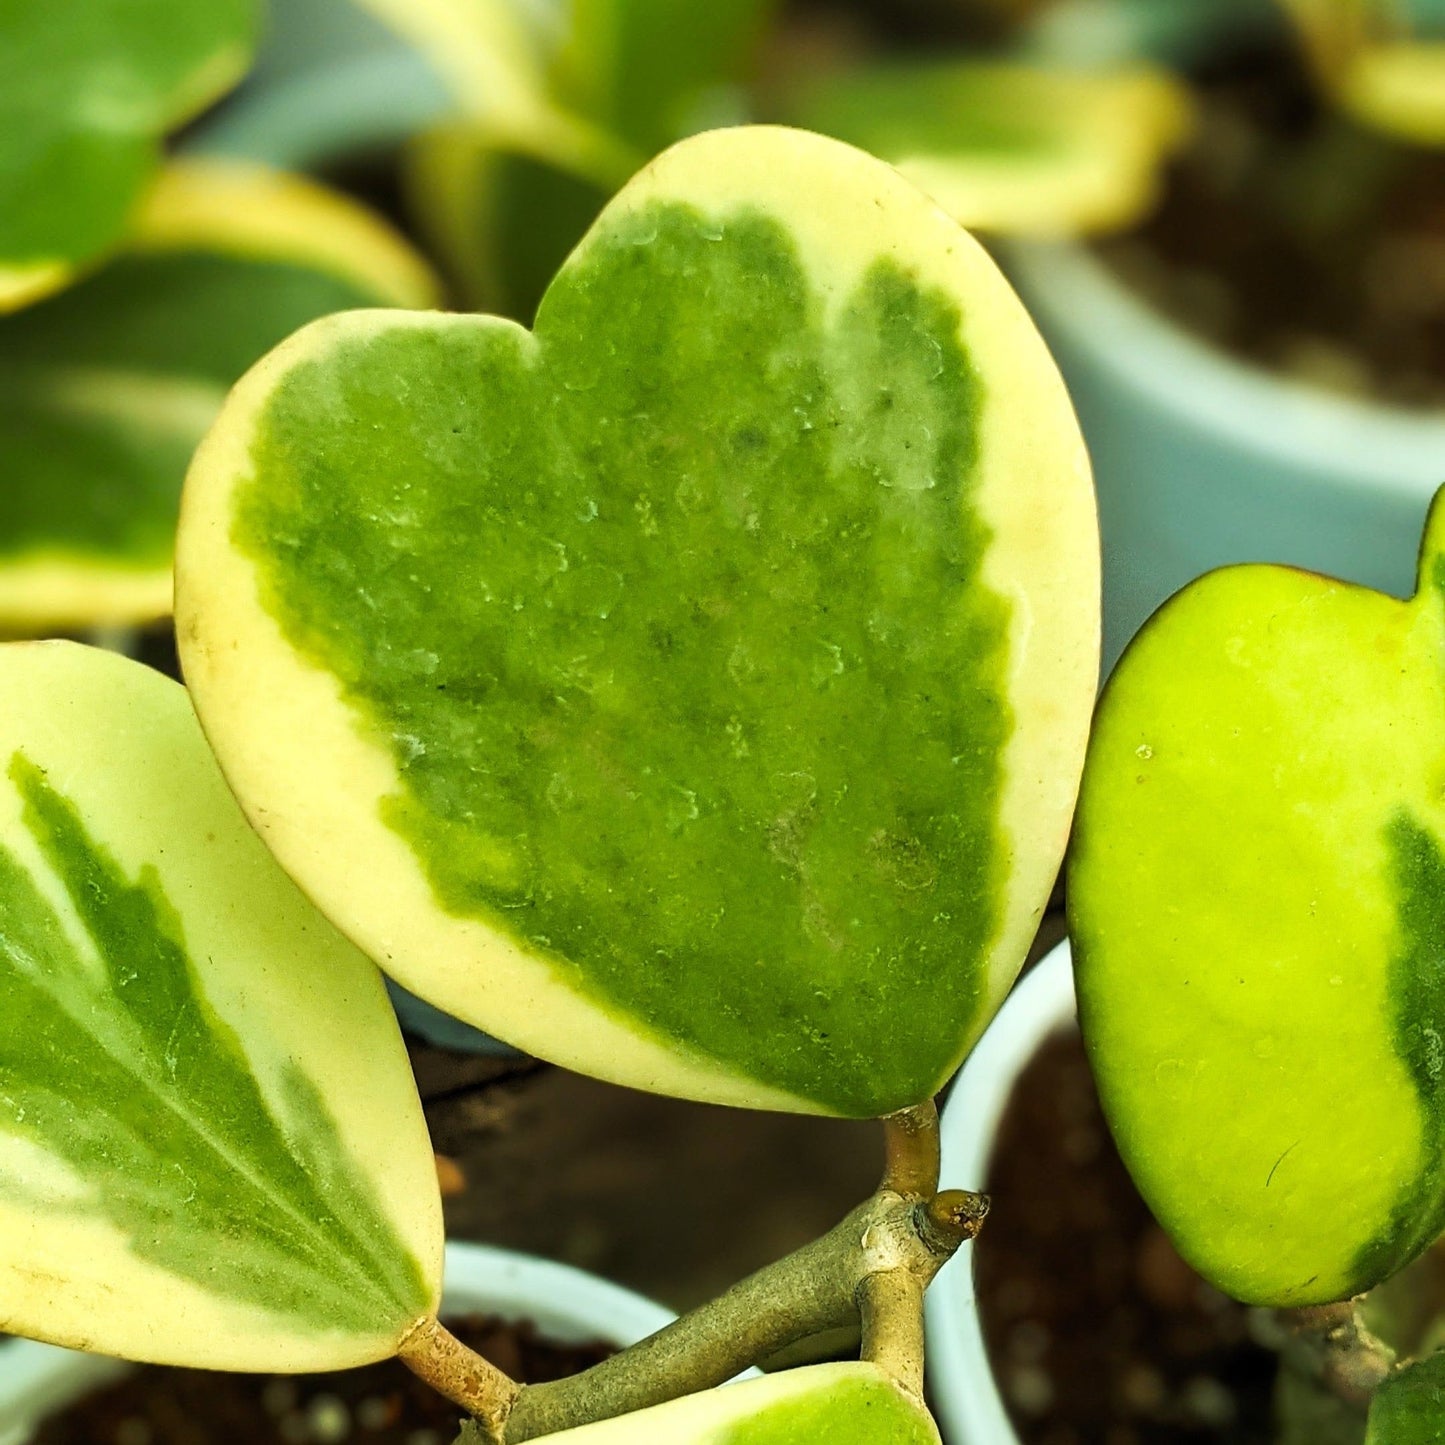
point(87, 90)
point(1379, 61)
point(853, 1404)
point(193, 1168)
point(106, 388)
point(1011, 147)
point(1257, 894)
point(700, 680)
point(1409, 1408)
point(550, 125)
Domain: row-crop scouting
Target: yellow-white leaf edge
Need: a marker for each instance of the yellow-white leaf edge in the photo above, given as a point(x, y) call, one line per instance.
point(284, 732)
point(122, 742)
point(229, 208)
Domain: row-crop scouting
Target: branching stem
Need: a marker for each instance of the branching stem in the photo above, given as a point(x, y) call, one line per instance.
point(874, 1265)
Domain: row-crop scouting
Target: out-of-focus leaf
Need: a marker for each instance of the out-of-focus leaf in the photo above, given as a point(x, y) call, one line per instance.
point(1399, 89)
point(643, 67)
point(106, 388)
point(1010, 147)
point(699, 680)
point(500, 221)
point(496, 67)
point(87, 89)
point(211, 1149)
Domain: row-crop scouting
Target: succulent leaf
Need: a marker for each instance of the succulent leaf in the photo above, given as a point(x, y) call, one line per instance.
point(211, 1151)
point(697, 682)
point(1010, 147)
point(1257, 893)
point(87, 90)
point(106, 389)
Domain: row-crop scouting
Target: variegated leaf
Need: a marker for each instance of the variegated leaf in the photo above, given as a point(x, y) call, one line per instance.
point(87, 90)
point(852, 1404)
point(1257, 895)
point(106, 389)
point(699, 682)
point(1005, 146)
point(211, 1150)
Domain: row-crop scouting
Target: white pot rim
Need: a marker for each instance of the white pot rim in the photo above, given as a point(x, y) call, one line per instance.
point(1079, 299)
point(566, 1304)
point(970, 1408)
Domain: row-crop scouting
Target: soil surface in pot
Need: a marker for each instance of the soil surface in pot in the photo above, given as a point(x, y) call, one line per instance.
point(1299, 239)
point(379, 1405)
point(1098, 1332)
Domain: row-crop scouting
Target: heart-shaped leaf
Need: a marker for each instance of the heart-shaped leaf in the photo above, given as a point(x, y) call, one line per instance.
point(1257, 894)
point(106, 389)
point(211, 1150)
point(1409, 1408)
point(1010, 147)
point(849, 1404)
point(87, 90)
point(692, 690)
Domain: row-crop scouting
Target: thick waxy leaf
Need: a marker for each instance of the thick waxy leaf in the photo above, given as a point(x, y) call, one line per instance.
point(106, 389)
point(1409, 1408)
point(1010, 147)
point(698, 683)
point(211, 1151)
point(851, 1404)
point(87, 88)
point(1257, 894)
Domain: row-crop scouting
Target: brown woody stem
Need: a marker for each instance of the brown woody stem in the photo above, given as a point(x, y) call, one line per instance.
point(435, 1355)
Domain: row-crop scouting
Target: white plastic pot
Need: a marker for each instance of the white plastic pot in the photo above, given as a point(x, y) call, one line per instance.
point(970, 1409)
point(567, 1305)
point(1203, 460)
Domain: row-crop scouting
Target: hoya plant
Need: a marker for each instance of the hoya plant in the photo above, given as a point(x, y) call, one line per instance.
point(691, 690)
point(162, 282)
point(1257, 895)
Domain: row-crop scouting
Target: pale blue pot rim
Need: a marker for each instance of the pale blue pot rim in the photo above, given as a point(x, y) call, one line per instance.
point(969, 1407)
point(1073, 293)
point(567, 1305)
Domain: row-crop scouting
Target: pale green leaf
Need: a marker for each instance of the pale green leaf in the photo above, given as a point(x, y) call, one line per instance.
point(211, 1152)
point(1257, 895)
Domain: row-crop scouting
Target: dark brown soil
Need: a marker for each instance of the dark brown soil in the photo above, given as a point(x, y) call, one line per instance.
point(1098, 1332)
point(379, 1405)
point(1299, 239)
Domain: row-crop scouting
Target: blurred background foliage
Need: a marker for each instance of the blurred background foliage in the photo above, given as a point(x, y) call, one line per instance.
point(1269, 171)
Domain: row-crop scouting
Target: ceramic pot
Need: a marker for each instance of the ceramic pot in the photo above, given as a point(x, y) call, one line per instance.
point(1202, 460)
point(567, 1305)
point(969, 1407)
